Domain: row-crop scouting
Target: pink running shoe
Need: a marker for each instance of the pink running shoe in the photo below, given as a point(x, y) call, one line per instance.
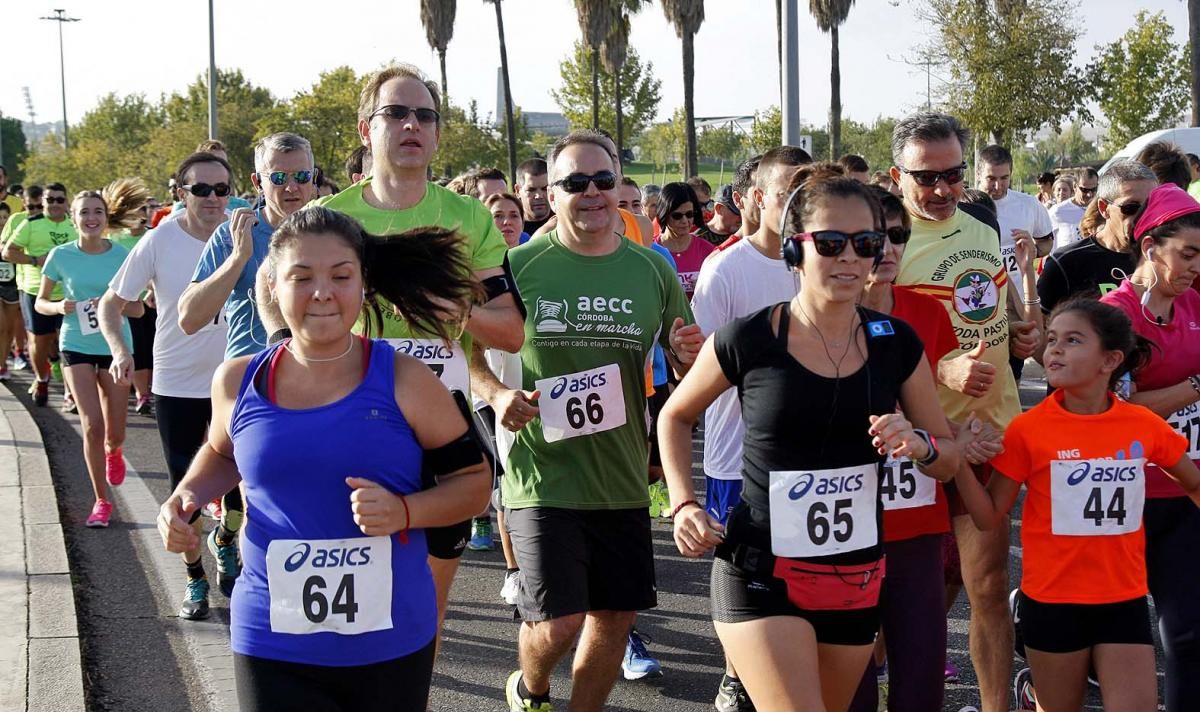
point(951, 672)
point(101, 511)
point(114, 467)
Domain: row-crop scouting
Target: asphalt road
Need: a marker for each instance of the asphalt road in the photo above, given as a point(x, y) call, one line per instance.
point(138, 655)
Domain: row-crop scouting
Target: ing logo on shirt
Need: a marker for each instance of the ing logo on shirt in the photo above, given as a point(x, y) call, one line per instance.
point(975, 296)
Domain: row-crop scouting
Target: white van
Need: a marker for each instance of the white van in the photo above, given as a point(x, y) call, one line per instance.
point(1187, 139)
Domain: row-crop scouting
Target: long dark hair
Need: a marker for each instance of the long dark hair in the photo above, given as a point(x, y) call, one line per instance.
point(1115, 331)
point(409, 270)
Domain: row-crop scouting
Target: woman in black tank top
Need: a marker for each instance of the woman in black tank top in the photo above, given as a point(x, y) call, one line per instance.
point(795, 581)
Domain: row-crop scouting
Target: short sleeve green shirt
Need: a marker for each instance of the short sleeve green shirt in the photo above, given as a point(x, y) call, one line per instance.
point(37, 237)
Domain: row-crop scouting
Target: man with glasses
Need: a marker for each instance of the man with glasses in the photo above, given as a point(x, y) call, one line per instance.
point(165, 260)
point(726, 219)
point(28, 247)
point(531, 189)
point(1089, 266)
point(574, 487)
point(1065, 216)
point(955, 257)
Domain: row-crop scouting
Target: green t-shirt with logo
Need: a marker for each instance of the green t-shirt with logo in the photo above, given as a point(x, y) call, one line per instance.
point(37, 237)
point(590, 331)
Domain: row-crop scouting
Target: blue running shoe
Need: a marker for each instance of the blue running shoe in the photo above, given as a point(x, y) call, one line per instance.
point(481, 535)
point(229, 562)
point(195, 600)
point(638, 663)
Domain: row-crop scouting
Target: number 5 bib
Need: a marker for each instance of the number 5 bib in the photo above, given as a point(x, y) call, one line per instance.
point(824, 512)
point(1097, 497)
point(89, 320)
point(581, 403)
point(330, 585)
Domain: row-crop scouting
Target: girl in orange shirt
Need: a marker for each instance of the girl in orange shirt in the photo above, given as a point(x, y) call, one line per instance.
point(1081, 455)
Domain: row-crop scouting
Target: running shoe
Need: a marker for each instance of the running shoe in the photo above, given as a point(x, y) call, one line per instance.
point(56, 371)
point(21, 361)
point(1023, 690)
point(114, 467)
point(638, 663)
point(143, 406)
point(4, 374)
point(229, 562)
point(101, 512)
point(732, 697)
point(212, 510)
point(41, 393)
point(195, 600)
point(951, 672)
point(510, 588)
point(516, 703)
point(69, 405)
point(481, 535)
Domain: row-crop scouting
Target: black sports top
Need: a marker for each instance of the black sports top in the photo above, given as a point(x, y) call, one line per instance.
point(802, 426)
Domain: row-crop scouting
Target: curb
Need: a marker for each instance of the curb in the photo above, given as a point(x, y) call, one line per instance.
point(40, 664)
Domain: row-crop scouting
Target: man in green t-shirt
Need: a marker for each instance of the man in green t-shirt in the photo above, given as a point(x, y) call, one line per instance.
point(575, 482)
point(28, 247)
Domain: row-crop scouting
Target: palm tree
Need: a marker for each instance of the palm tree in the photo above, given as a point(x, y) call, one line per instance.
point(687, 16)
point(613, 53)
point(596, 18)
point(509, 129)
point(438, 18)
point(829, 14)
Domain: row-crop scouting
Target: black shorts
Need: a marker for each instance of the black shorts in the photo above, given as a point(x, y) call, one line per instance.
point(574, 561)
point(275, 685)
point(448, 542)
point(35, 323)
point(75, 358)
point(654, 405)
point(9, 294)
point(738, 596)
point(1070, 627)
point(142, 329)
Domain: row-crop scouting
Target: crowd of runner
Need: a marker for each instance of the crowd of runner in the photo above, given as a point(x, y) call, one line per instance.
point(351, 382)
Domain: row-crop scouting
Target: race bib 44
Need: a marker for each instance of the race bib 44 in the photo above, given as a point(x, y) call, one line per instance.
point(330, 585)
point(581, 403)
point(1097, 497)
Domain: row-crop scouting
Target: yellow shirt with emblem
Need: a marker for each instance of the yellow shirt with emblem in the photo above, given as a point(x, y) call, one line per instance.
point(957, 261)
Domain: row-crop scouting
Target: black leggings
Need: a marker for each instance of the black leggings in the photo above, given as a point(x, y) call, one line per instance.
point(275, 686)
point(1172, 530)
point(183, 429)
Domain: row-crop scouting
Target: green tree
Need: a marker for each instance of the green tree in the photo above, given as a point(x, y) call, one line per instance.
point(595, 23)
point(686, 16)
point(767, 131)
point(326, 114)
point(468, 141)
point(15, 148)
point(830, 14)
point(664, 143)
point(613, 53)
point(721, 143)
point(640, 91)
point(1009, 62)
point(871, 141)
point(1141, 81)
point(437, 17)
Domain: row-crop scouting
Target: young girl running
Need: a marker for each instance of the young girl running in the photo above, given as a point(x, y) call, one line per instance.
point(1081, 454)
point(84, 268)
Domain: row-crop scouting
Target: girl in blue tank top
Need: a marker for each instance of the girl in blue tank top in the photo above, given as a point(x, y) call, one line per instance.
point(331, 434)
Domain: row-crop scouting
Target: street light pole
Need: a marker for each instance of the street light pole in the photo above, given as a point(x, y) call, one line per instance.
point(790, 73)
point(212, 76)
point(60, 17)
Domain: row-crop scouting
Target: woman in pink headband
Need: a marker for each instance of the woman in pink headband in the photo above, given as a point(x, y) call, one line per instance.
point(1165, 309)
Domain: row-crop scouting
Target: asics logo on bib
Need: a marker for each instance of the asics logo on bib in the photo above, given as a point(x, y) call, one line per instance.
point(575, 385)
point(825, 485)
point(323, 558)
point(424, 351)
point(1102, 473)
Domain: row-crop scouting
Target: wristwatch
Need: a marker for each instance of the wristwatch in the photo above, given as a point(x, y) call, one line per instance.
point(933, 450)
point(33, 260)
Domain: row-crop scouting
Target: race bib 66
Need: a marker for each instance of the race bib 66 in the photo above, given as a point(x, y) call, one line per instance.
point(581, 403)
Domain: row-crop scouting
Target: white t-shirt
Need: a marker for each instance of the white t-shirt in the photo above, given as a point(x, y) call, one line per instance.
point(1019, 211)
point(507, 368)
point(1065, 217)
point(733, 284)
point(166, 258)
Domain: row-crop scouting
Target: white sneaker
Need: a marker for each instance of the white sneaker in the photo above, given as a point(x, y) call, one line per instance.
point(510, 588)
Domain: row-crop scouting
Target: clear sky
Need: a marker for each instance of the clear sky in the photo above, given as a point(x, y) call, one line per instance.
point(153, 47)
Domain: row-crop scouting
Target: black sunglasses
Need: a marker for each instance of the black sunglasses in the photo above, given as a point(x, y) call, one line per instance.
point(831, 243)
point(54, 201)
point(400, 112)
point(898, 234)
point(1128, 209)
point(203, 190)
point(1088, 191)
point(928, 179)
point(680, 216)
point(281, 177)
point(578, 182)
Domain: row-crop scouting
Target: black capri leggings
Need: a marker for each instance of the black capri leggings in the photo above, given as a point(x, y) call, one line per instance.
point(142, 329)
point(275, 686)
point(182, 429)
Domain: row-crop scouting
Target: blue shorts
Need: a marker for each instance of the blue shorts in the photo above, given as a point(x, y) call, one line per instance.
point(721, 496)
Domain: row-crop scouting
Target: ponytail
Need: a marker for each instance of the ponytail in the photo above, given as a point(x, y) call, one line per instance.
point(125, 198)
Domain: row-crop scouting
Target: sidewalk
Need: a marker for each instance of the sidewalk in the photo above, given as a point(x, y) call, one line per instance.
point(39, 636)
